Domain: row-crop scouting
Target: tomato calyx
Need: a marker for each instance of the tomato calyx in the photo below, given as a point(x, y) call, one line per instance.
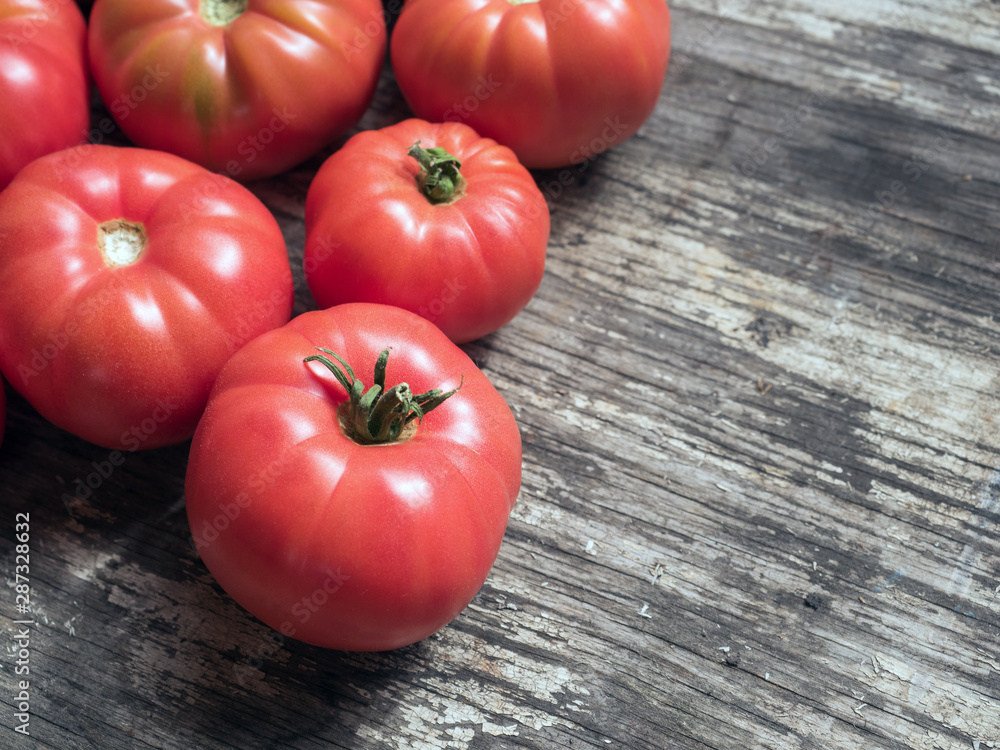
point(439, 179)
point(121, 242)
point(221, 12)
point(378, 416)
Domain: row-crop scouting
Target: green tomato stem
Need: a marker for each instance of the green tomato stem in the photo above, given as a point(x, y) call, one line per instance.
point(378, 415)
point(439, 179)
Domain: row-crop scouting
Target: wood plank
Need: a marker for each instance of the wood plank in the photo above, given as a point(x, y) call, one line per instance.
point(759, 398)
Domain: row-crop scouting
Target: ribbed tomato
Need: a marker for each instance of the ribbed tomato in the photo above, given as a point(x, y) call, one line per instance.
point(319, 511)
point(249, 88)
point(44, 84)
point(454, 229)
point(558, 81)
point(129, 278)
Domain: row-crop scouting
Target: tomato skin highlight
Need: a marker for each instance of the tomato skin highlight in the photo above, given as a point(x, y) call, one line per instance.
point(249, 98)
point(337, 544)
point(469, 265)
point(44, 82)
point(124, 356)
point(558, 81)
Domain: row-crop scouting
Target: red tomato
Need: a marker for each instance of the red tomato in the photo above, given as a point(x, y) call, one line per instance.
point(559, 81)
point(131, 276)
point(249, 88)
point(334, 542)
point(468, 261)
point(43, 81)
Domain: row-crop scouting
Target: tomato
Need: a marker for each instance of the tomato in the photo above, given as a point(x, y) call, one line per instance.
point(130, 277)
point(3, 409)
point(44, 83)
point(558, 81)
point(468, 260)
point(245, 87)
point(331, 540)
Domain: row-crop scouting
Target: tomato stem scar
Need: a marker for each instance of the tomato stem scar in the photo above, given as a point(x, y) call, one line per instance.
point(379, 415)
point(221, 12)
point(121, 242)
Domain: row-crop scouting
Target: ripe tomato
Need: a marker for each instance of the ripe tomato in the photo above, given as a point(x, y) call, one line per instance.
point(131, 276)
point(245, 87)
point(558, 81)
point(468, 260)
point(43, 81)
point(333, 541)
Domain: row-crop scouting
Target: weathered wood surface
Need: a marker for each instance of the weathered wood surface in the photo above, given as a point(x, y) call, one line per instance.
point(761, 422)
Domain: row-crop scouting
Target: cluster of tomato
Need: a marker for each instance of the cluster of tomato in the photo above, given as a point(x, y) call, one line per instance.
point(147, 293)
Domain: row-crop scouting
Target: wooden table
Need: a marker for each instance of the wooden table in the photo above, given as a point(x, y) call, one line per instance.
point(760, 403)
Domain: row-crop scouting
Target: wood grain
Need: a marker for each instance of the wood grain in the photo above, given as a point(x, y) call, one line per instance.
point(760, 402)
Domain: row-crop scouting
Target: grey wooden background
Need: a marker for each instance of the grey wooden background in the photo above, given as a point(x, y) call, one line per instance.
point(760, 403)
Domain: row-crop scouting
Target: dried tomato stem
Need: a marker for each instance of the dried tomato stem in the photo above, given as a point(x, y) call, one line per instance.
point(121, 242)
point(378, 415)
point(221, 12)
